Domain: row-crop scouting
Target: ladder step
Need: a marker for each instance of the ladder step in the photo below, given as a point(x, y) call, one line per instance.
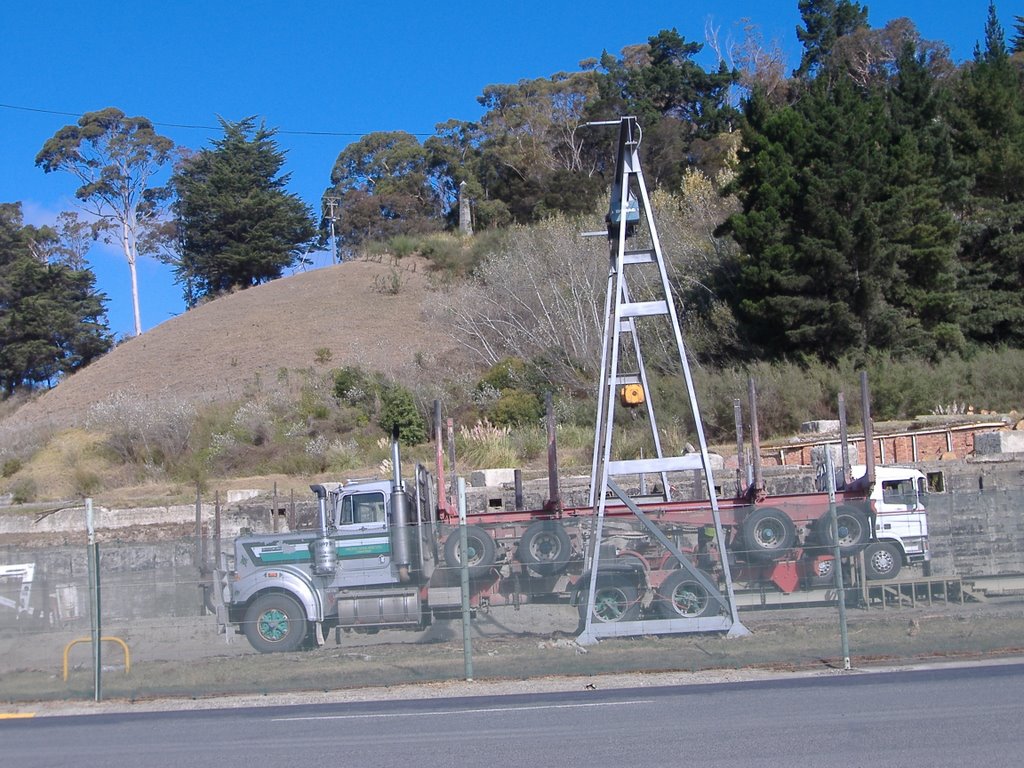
point(627, 378)
point(664, 464)
point(645, 256)
point(644, 308)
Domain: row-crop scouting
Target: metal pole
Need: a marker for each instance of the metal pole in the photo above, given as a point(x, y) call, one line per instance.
point(554, 494)
point(467, 639)
point(196, 557)
point(451, 458)
point(94, 602)
point(837, 565)
point(844, 440)
point(755, 435)
point(741, 447)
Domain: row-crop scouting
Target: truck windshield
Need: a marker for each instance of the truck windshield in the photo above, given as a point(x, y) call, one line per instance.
point(362, 508)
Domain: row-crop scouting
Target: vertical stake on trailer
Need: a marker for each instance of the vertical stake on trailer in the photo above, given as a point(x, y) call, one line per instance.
point(467, 638)
point(837, 566)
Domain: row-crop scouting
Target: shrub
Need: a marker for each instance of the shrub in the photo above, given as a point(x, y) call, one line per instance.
point(516, 407)
point(144, 430)
point(353, 386)
point(403, 245)
point(398, 411)
point(24, 491)
point(485, 445)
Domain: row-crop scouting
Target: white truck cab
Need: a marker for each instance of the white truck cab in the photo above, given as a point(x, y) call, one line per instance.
point(899, 505)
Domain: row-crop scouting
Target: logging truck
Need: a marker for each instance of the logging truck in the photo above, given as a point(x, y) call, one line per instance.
point(384, 555)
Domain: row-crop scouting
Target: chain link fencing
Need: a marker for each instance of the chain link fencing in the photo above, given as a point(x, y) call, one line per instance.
point(158, 602)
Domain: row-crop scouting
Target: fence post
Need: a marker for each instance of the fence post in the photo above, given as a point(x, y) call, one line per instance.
point(94, 602)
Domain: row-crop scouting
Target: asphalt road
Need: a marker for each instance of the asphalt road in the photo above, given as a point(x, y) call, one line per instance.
point(963, 716)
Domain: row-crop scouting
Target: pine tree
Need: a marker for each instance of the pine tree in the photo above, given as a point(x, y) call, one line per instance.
point(237, 226)
point(919, 230)
point(51, 317)
point(825, 21)
point(1017, 44)
point(811, 278)
point(988, 121)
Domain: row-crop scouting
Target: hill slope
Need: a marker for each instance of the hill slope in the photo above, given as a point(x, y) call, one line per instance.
point(215, 351)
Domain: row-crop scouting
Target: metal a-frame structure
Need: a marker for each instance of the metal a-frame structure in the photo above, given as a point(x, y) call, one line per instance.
point(630, 207)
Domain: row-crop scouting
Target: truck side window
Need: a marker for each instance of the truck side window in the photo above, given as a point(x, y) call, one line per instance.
point(362, 508)
point(898, 492)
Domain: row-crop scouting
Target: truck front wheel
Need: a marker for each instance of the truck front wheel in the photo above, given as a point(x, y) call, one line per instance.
point(882, 561)
point(275, 622)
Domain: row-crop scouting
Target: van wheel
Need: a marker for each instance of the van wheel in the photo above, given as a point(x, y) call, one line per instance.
point(882, 561)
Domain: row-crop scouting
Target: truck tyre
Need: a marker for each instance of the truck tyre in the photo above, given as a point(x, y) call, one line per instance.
point(482, 551)
point(545, 548)
point(683, 596)
point(275, 622)
point(616, 599)
point(767, 534)
point(854, 530)
point(882, 561)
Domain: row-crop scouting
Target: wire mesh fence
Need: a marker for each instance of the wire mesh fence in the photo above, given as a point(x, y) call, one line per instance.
point(165, 630)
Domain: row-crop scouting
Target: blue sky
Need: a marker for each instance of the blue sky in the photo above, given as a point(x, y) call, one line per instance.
point(339, 67)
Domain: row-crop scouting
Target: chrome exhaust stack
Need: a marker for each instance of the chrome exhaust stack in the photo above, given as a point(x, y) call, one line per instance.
point(325, 556)
point(403, 535)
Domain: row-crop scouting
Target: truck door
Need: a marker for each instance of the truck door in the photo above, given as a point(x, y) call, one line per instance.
point(901, 514)
point(362, 541)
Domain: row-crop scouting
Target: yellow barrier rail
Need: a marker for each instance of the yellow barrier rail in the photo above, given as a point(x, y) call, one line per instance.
point(109, 638)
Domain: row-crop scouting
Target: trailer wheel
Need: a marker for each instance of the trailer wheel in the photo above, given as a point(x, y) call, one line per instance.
point(482, 551)
point(683, 596)
point(882, 561)
point(545, 548)
point(767, 534)
point(854, 530)
point(275, 622)
point(615, 599)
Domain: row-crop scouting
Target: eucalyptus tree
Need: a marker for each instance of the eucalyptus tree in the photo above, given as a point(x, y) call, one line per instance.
point(115, 158)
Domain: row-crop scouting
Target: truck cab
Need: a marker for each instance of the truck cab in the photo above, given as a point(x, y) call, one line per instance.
point(899, 505)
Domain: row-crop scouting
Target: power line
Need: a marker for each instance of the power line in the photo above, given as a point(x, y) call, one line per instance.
point(280, 131)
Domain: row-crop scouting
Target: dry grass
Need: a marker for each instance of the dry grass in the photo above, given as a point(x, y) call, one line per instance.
point(256, 341)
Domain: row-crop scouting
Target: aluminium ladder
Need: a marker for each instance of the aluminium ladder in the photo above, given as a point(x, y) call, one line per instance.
point(630, 205)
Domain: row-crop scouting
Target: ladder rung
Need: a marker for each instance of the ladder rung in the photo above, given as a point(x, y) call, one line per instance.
point(665, 464)
point(627, 378)
point(644, 308)
point(646, 256)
